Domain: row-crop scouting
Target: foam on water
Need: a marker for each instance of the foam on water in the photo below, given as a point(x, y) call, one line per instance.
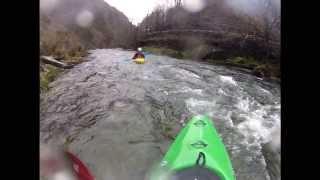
point(254, 126)
point(275, 135)
point(209, 108)
point(188, 90)
point(229, 121)
point(244, 104)
point(223, 99)
point(228, 79)
point(191, 102)
point(199, 106)
point(220, 91)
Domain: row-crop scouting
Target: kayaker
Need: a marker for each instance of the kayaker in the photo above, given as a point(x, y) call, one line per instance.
point(138, 54)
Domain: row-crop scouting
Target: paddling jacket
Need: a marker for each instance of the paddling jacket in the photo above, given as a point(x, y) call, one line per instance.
point(138, 55)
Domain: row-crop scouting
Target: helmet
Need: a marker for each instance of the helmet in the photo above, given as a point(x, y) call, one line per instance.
point(139, 49)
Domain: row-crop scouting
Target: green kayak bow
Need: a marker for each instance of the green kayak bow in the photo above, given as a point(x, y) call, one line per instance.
point(197, 153)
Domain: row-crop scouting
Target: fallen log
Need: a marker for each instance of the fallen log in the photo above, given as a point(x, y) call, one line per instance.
point(50, 60)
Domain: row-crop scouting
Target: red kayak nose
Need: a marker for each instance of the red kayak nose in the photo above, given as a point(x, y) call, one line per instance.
point(80, 169)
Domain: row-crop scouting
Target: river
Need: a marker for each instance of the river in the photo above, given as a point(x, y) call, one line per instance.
point(120, 117)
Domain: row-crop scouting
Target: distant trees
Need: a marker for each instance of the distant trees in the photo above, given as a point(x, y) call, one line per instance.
point(218, 16)
point(265, 25)
point(108, 28)
point(177, 3)
point(156, 21)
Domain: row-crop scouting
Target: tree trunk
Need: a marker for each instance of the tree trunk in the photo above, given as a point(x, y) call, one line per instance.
point(50, 60)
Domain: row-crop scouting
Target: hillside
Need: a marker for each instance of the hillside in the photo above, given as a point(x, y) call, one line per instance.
point(88, 23)
point(68, 28)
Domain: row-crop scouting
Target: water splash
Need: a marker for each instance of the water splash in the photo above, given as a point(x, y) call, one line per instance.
point(253, 126)
point(255, 123)
point(228, 79)
point(244, 104)
point(245, 149)
point(220, 91)
point(275, 135)
point(188, 90)
point(196, 106)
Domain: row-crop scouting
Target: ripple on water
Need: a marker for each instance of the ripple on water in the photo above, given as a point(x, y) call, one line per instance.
point(243, 122)
point(121, 104)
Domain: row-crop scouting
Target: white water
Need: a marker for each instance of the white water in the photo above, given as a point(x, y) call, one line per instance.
point(228, 79)
point(126, 102)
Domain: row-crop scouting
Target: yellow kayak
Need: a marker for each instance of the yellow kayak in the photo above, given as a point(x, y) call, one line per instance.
point(139, 60)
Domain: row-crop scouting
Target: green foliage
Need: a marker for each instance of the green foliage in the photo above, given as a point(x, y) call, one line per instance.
point(248, 62)
point(238, 60)
point(61, 45)
point(49, 74)
point(258, 67)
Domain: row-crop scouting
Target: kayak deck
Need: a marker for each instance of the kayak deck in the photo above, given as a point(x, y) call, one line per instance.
point(139, 60)
point(198, 145)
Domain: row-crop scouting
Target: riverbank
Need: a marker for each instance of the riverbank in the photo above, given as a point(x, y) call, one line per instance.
point(48, 72)
point(108, 102)
point(261, 68)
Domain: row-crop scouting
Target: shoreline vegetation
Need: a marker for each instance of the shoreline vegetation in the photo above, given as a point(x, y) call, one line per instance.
point(70, 28)
point(220, 33)
point(67, 41)
point(69, 55)
point(260, 68)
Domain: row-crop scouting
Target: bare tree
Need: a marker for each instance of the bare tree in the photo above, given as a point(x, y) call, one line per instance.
point(177, 3)
point(262, 27)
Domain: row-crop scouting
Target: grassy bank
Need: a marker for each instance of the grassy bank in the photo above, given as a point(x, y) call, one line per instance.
point(64, 47)
point(48, 74)
point(260, 68)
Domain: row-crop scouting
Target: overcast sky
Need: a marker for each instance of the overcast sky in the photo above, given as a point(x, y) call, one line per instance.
point(136, 10)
